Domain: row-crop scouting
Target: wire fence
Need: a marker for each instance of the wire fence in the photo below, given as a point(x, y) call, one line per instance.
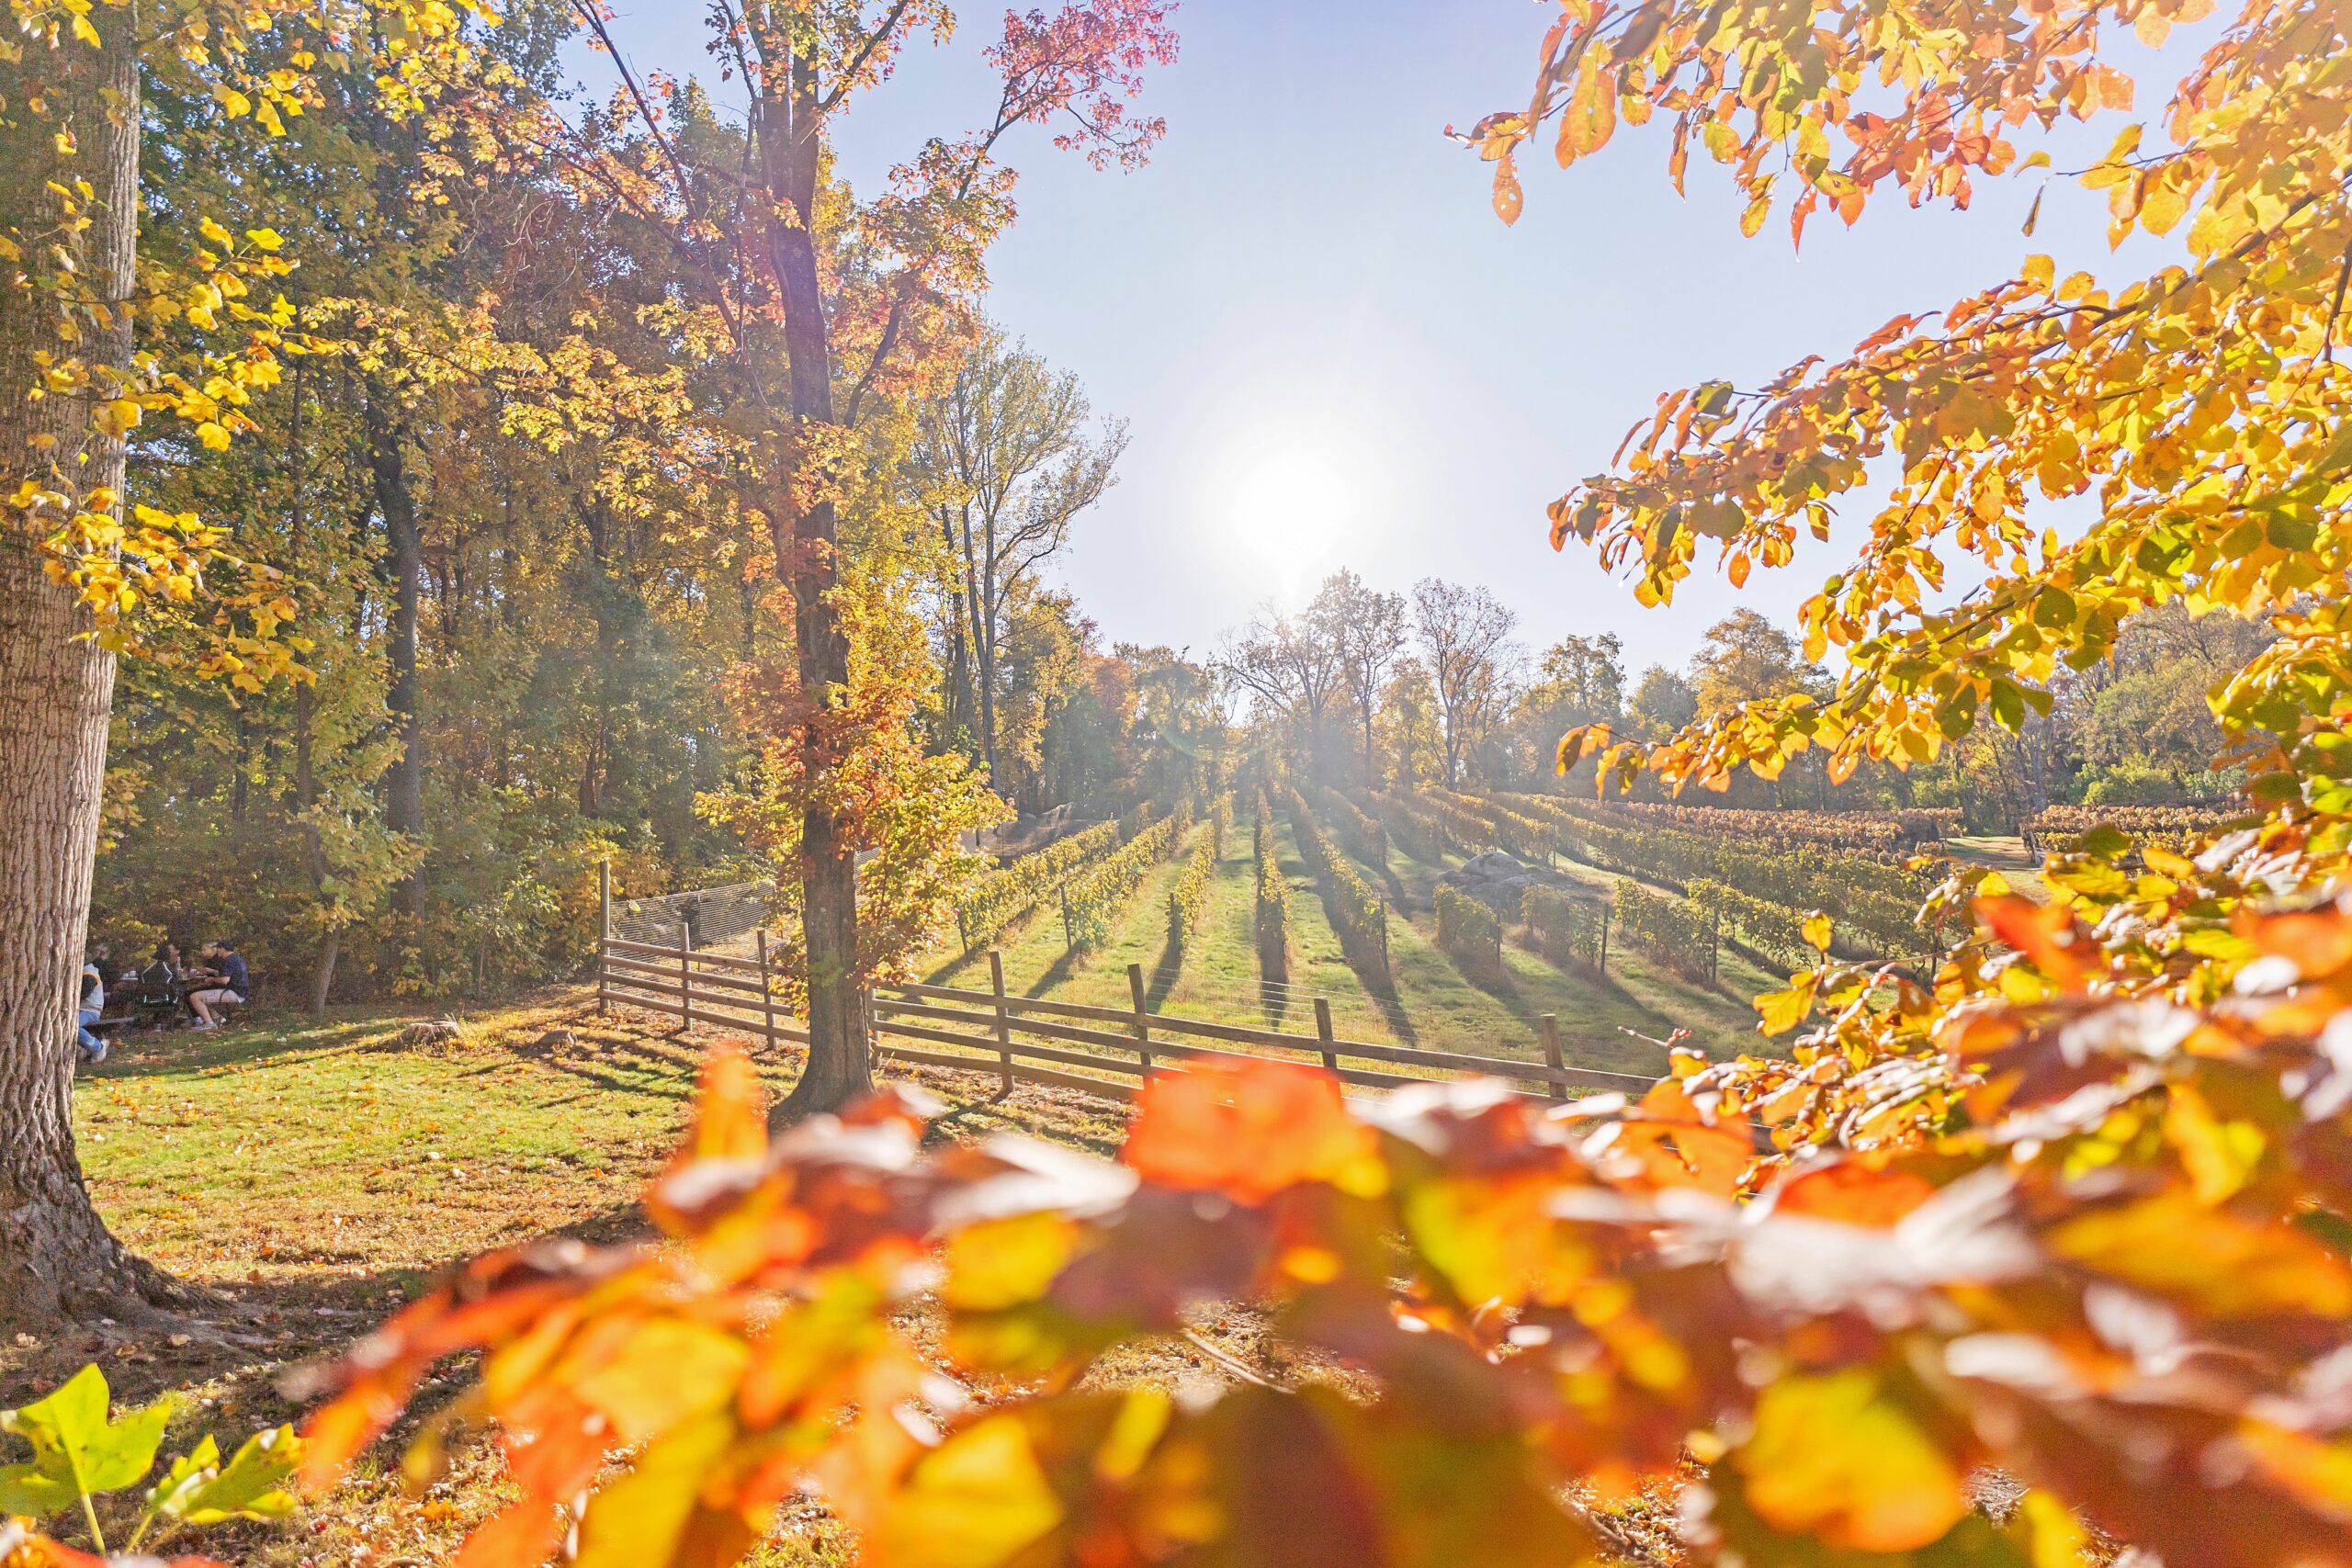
point(699, 918)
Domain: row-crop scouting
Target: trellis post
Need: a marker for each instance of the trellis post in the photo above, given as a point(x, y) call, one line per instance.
point(767, 989)
point(1143, 1019)
point(604, 932)
point(1003, 1016)
point(1323, 1033)
point(1548, 1026)
point(685, 975)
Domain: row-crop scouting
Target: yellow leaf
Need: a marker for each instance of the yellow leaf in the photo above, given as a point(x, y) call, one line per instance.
point(2225, 1265)
point(974, 1502)
point(86, 33)
point(265, 239)
point(213, 436)
point(2055, 1538)
point(1833, 1456)
point(1816, 931)
point(668, 1371)
point(213, 232)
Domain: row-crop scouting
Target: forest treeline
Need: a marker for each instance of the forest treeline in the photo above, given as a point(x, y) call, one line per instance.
point(524, 642)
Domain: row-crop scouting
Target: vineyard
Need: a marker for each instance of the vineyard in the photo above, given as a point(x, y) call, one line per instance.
point(1325, 896)
point(1658, 917)
point(1871, 895)
point(2059, 827)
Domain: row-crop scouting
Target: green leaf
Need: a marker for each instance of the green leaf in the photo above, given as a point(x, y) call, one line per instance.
point(200, 1490)
point(2008, 706)
point(76, 1450)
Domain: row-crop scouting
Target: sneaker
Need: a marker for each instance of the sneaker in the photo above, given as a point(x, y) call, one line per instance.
point(199, 1026)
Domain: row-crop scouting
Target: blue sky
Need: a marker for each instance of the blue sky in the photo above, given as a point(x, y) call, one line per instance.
point(1331, 354)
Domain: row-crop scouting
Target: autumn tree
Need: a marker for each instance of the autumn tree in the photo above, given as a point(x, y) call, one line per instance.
point(1662, 703)
point(1464, 638)
point(2200, 405)
point(1294, 670)
point(1578, 680)
point(1007, 462)
point(99, 329)
point(1368, 631)
point(822, 314)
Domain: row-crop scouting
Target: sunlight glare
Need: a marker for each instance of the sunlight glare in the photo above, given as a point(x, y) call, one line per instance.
point(1289, 506)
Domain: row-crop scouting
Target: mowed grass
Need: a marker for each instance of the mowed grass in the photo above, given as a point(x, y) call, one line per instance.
point(309, 1178)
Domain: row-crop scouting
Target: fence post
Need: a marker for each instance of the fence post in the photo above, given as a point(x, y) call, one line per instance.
point(685, 975)
point(1608, 908)
point(767, 990)
point(1069, 938)
point(1143, 1019)
point(1548, 1026)
point(603, 930)
point(1003, 1016)
point(1323, 1033)
point(1714, 941)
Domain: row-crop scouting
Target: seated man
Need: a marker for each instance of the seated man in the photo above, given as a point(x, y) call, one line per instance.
point(230, 984)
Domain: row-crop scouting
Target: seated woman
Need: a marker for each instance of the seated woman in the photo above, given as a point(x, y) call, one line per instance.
point(94, 1003)
point(231, 983)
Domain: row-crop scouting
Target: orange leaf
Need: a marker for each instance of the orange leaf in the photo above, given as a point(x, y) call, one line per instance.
point(1853, 1192)
point(1248, 1130)
point(1508, 197)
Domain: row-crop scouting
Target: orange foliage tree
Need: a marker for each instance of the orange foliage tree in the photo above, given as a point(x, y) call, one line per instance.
point(815, 317)
point(2202, 405)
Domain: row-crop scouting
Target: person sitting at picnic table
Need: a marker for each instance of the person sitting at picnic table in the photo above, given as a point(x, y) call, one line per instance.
point(223, 984)
point(158, 994)
point(93, 1002)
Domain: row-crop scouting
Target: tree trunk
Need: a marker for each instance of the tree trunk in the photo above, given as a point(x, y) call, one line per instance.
point(405, 787)
point(57, 1260)
point(790, 137)
point(984, 620)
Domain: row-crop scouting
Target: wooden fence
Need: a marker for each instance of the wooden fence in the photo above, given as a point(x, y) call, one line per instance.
point(1095, 1050)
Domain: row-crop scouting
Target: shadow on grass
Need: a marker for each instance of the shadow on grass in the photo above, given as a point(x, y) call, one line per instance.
point(1061, 969)
point(247, 1042)
point(1164, 974)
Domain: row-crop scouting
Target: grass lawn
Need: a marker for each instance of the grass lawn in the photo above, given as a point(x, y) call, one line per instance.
point(311, 1176)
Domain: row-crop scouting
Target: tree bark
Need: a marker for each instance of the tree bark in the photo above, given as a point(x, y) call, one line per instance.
point(57, 1261)
point(404, 785)
point(982, 579)
point(790, 133)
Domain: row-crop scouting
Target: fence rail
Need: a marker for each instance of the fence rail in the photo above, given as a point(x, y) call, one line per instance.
point(1094, 1050)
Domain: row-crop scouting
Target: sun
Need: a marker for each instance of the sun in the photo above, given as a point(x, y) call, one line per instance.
point(1289, 506)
